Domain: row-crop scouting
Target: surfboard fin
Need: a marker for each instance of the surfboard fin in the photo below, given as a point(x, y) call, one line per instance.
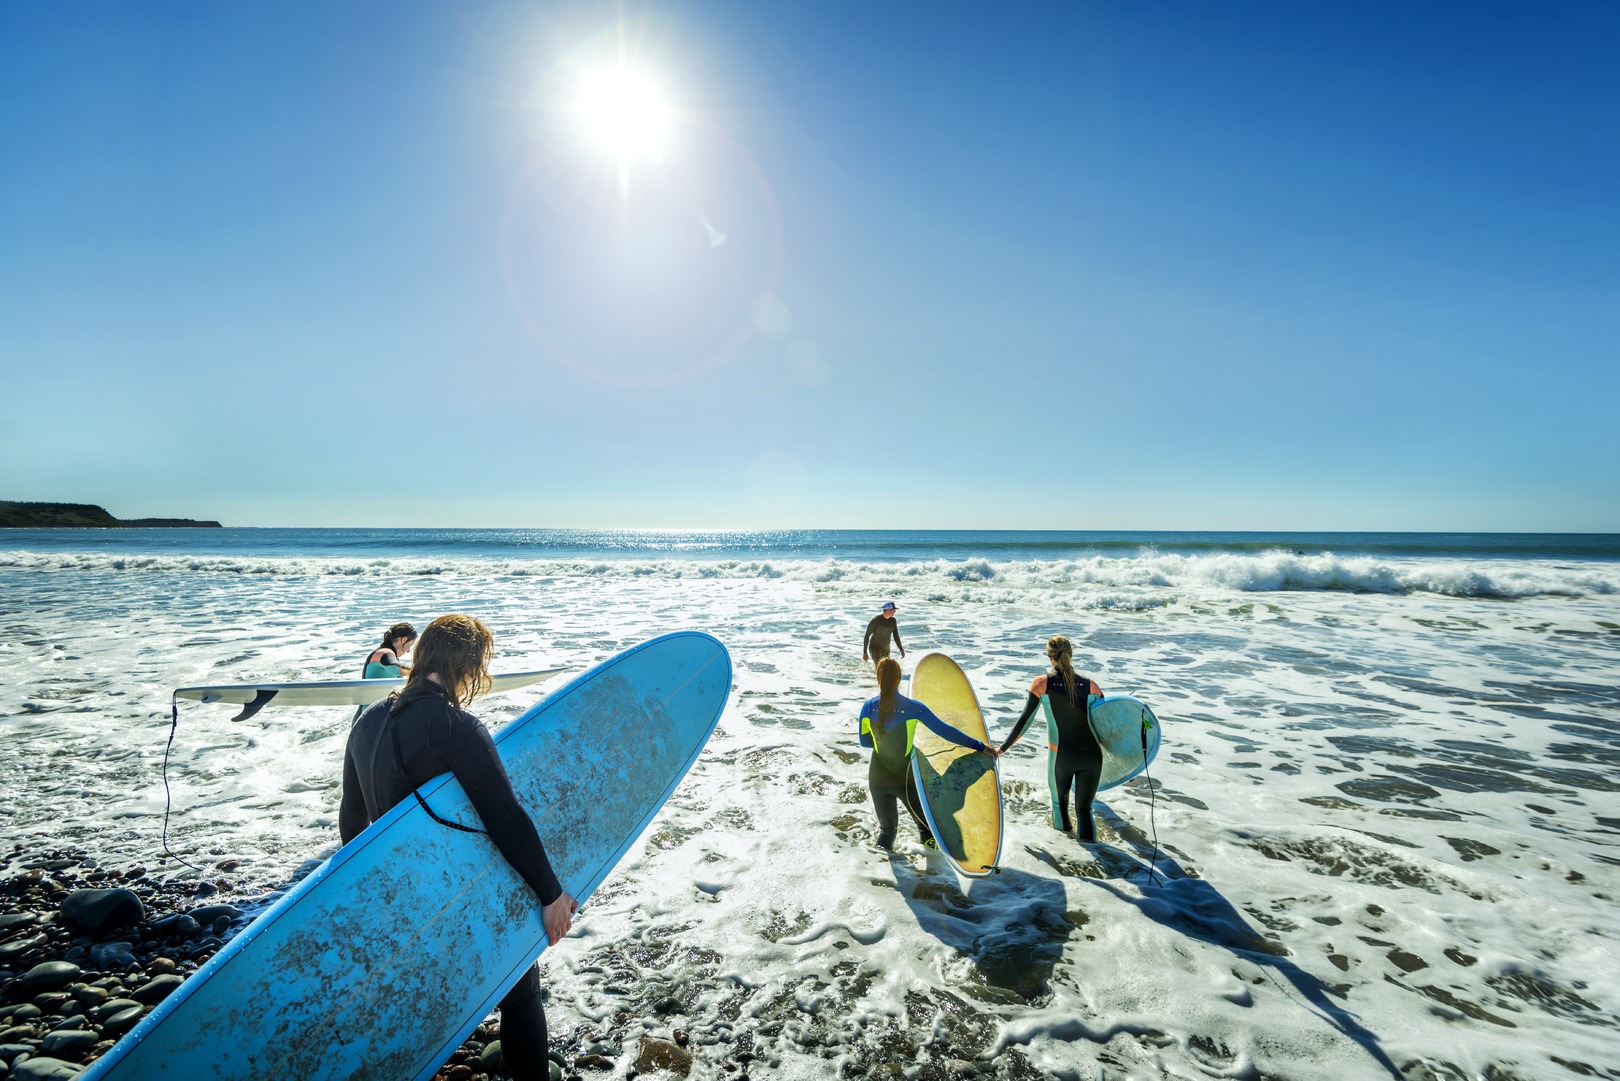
point(260, 700)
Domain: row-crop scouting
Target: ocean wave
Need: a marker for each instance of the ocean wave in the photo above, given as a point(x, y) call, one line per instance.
point(1097, 581)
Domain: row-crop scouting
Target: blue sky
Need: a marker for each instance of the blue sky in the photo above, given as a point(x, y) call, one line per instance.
point(1134, 265)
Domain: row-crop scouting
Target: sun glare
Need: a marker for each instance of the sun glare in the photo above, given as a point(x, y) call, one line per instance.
point(623, 112)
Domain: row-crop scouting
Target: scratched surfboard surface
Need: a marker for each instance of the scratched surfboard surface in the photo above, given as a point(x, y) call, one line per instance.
point(412, 932)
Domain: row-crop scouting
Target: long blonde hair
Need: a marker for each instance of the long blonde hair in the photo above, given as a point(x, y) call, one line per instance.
point(1061, 653)
point(456, 648)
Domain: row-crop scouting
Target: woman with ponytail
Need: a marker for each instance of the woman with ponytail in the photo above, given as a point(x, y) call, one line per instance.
point(416, 734)
point(387, 661)
point(1074, 757)
point(888, 725)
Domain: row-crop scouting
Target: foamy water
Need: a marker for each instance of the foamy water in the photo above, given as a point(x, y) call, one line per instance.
point(1386, 805)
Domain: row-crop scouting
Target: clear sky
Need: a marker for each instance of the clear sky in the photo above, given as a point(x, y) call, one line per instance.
point(1078, 265)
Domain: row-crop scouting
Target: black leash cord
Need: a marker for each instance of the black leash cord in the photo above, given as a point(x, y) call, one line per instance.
point(1153, 805)
point(168, 799)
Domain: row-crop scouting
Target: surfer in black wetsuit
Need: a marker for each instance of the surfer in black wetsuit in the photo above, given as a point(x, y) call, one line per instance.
point(875, 646)
point(421, 732)
point(1075, 756)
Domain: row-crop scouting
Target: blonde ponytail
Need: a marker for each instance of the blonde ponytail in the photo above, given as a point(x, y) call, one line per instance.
point(1061, 654)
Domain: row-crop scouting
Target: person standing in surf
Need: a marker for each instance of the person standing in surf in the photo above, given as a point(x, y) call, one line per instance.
point(387, 661)
point(1074, 757)
point(888, 726)
point(875, 646)
point(422, 731)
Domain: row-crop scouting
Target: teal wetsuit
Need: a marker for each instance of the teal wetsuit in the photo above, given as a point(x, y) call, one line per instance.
point(375, 669)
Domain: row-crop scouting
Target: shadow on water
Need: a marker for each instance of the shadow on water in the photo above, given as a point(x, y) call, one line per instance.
point(1012, 926)
point(1195, 908)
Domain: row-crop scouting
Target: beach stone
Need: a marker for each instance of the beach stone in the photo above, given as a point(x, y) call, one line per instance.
point(10, 921)
point(108, 1009)
point(99, 911)
point(179, 925)
point(593, 1062)
point(17, 1033)
point(68, 1043)
point(16, 948)
point(47, 976)
point(52, 1001)
point(490, 1056)
point(9, 1051)
point(156, 989)
point(122, 1021)
point(208, 915)
point(45, 1068)
point(26, 1012)
point(206, 889)
point(660, 1054)
point(160, 966)
point(109, 956)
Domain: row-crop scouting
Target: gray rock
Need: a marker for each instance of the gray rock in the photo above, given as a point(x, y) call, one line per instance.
point(122, 1021)
point(209, 914)
point(10, 921)
point(47, 977)
point(9, 1051)
point(26, 1012)
point(68, 1043)
point(45, 1068)
point(99, 911)
point(553, 1072)
point(659, 1054)
point(18, 1033)
point(112, 956)
point(156, 989)
point(14, 949)
point(118, 1005)
point(77, 1020)
point(179, 925)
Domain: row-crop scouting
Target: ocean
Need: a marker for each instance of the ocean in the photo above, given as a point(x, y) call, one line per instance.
point(1382, 837)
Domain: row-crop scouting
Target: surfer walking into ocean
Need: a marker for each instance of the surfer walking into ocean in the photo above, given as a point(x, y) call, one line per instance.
point(387, 661)
point(415, 735)
point(882, 627)
point(888, 726)
point(1076, 757)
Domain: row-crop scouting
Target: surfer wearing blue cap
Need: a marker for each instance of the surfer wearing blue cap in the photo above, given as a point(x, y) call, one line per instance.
point(1074, 755)
point(888, 725)
point(387, 661)
point(875, 646)
point(416, 734)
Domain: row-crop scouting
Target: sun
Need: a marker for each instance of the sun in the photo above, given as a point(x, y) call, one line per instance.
point(624, 113)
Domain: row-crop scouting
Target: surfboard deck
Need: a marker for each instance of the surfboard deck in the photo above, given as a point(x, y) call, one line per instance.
point(381, 962)
point(334, 692)
point(960, 788)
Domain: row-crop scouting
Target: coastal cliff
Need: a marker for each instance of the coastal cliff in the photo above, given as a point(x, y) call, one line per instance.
point(84, 516)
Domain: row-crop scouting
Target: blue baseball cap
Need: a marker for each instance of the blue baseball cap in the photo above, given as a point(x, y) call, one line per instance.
point(888, 606)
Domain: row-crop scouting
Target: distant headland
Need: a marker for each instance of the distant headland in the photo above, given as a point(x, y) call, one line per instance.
point(83, 516)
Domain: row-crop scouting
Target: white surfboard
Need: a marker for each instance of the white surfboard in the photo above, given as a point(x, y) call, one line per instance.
point(333, 692)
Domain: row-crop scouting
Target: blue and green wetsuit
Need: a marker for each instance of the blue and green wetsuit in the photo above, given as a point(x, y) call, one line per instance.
point(375, 669)
point(889, 775)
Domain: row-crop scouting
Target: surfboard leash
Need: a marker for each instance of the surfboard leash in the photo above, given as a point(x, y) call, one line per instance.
point(168, 798)
point(1153, 804)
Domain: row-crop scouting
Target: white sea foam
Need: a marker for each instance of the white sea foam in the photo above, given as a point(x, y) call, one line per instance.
point(1386, 802)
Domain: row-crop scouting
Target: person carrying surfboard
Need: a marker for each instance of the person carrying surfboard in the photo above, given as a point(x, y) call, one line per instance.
point(1075, 755)
point(387, 661)
point(422, 731)
point(875, 646)
point(888, 724)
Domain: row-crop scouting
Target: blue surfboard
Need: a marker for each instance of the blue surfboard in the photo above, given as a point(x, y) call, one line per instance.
point(380, 963)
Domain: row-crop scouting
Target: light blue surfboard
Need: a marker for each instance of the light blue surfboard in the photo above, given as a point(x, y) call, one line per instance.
point(380, 963)
point(1126, 729)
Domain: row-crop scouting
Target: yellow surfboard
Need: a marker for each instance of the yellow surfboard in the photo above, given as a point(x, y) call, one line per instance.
point(961, 789)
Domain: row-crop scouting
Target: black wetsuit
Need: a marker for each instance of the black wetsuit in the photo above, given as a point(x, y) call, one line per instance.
point(434, 738)
point(876, 642)
point(1076, 757)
